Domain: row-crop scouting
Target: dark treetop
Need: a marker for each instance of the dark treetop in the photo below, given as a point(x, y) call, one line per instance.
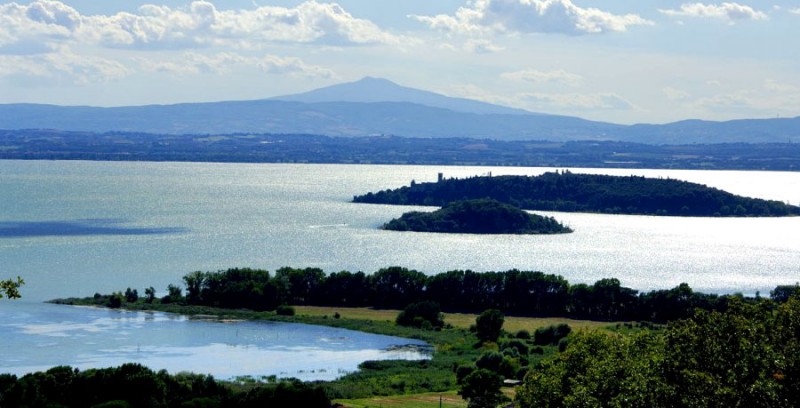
point(568, 192)
point(481, 216)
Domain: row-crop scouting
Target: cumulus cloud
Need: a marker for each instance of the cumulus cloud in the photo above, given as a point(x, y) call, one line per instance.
point(795, 11)
point(200, 24)
point(538, 77)
point(727, 11)
point(530, 16)
point(40, 22)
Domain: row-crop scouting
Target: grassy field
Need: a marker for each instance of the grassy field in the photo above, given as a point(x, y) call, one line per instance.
point(449, 399)
point(461, 320)
point(427, 400)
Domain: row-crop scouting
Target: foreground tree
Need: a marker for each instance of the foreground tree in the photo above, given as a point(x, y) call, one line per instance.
point(481, 389)
point(746, 356)
point(10, 288)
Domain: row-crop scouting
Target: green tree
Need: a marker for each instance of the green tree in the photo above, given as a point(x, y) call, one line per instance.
point(150, 294)
point(481, 389)
point(600, 369)
point(489, 324)
point(10, 288)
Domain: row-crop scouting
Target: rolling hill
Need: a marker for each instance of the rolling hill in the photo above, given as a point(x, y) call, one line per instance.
point(373, 106)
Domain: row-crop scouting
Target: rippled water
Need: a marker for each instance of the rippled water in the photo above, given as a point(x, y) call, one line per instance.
point(76, 228)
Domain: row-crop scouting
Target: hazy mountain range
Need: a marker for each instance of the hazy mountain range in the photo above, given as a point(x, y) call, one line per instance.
point(373, 106)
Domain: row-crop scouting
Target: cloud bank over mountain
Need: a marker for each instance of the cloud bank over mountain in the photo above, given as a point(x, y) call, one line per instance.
point(607, 60)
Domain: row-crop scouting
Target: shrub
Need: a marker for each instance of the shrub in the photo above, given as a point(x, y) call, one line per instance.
point(426, 315)
point(551, 335)
point(284, 310)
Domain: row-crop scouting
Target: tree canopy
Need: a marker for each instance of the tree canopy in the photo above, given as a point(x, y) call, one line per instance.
point(745, 356)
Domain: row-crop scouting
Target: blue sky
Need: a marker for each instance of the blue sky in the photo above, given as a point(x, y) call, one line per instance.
point(611, 60)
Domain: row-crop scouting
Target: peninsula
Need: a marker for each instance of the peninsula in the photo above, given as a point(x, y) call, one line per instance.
point(569, 192)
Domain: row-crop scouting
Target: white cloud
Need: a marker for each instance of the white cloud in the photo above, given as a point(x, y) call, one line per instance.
point(38, 23)
point(777, 86)
point(727, 11)
point(535, 76)
point(576, 101)
point(293, 66)
point(530, 16)
point(795, 11)
point(225, 63)
point(200, 24)
point(64, 67)
point(675, 94)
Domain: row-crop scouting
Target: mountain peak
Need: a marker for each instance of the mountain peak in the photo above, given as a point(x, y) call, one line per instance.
point(373, 90)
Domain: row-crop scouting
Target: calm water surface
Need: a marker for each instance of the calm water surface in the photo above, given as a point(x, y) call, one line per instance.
point(37, 337)
point(76, 228)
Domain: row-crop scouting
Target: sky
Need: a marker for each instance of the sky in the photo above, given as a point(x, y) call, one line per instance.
point(621, 61)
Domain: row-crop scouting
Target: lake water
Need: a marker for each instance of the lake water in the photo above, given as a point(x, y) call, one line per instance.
point(73, 228)
point(37, 337)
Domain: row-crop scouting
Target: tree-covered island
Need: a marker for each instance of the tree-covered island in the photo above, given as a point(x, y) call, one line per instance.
point(481, 216)
point(571, 192)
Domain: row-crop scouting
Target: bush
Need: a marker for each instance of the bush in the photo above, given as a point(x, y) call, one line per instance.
point(284, 310)
point(425, 315)
point(551, 335)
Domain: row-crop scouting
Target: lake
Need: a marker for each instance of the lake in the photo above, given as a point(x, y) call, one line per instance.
point(73, 228)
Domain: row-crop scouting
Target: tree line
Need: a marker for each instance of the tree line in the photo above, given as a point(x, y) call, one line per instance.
point(569, 192)
point(515, 292)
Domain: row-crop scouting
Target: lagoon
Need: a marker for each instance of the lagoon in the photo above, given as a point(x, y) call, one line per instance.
point(37, 337)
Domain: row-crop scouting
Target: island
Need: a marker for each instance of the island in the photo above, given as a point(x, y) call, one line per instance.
point(480, 216)
point(565, 191)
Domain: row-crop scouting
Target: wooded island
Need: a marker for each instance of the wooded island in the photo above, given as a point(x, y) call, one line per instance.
point(483, 216)
point(570, 192)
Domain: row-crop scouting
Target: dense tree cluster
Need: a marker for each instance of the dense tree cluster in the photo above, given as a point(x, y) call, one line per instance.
point(746, 356)
point(514, 292)
point(569, 192)
point(480, 216)
point(133, 386)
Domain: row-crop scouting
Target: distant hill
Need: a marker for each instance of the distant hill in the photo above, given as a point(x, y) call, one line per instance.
point(375, 106)
point(371, 90)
